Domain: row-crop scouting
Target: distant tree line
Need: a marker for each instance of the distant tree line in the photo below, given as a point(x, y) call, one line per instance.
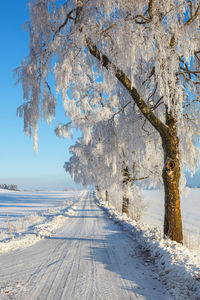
point(10, 187)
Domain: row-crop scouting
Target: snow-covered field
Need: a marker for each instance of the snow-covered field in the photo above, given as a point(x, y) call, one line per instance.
point(32, 215)
point(82, 254)
point(190, 207)
point(88, 258)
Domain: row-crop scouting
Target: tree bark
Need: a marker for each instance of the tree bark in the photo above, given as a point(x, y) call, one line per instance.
point(171, 179)
point(125, 181)
point(125, 205)
point(107, 198)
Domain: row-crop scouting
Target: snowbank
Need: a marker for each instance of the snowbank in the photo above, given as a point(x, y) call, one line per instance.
point(178, 267)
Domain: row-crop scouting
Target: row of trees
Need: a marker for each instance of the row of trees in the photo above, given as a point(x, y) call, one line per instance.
point(129, 75)
point(10, 187)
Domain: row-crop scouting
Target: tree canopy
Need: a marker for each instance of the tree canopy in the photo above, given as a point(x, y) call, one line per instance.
point(111, 59)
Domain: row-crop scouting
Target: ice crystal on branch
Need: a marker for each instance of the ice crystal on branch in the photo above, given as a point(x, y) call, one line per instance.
point(138, 58)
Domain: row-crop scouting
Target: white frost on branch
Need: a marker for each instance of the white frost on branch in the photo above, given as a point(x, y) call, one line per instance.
point(155, 43)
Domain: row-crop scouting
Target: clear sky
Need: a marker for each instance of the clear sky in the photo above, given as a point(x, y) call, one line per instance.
point(19, 164)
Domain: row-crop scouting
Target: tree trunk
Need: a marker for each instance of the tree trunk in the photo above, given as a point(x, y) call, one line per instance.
point(171, 178)
point(168, 133)
point(125, 205)
point(107, 198)
point(125, 181)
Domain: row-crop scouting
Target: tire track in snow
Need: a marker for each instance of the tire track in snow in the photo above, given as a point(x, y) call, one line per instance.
point(49, 276)
point(87, 259)
point(108, 291)
point(64, 279)
point(54, 279)
point(56, 255)
point(31, 275)
point(79, 284)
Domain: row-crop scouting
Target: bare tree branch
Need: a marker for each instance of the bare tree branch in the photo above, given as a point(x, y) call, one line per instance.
point(193, 17)
point(63, 24)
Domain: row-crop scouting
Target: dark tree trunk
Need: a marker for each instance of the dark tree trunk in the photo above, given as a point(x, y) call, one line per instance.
point(171, 179)
point(107, 198)
point(125, 205)
point(125, 182)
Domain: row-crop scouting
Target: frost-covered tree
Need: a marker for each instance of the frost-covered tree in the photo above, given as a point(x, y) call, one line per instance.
point(148, 47)
point(112, 160)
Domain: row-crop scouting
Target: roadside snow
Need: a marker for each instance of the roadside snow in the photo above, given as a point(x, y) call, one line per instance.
point(36, 215)
point(88, 258)
point(178, 267)
point(190, 209)
point(32, 227)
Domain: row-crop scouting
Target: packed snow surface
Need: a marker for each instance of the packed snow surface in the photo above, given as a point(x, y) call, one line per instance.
point(87, 251)
point(89, 257)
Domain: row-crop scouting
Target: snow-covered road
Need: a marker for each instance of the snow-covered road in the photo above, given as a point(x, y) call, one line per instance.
point(90, 257)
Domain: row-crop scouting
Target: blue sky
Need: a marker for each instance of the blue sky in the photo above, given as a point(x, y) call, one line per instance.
point(19, 164)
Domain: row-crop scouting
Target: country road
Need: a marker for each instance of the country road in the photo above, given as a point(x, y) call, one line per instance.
point(89, 258)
